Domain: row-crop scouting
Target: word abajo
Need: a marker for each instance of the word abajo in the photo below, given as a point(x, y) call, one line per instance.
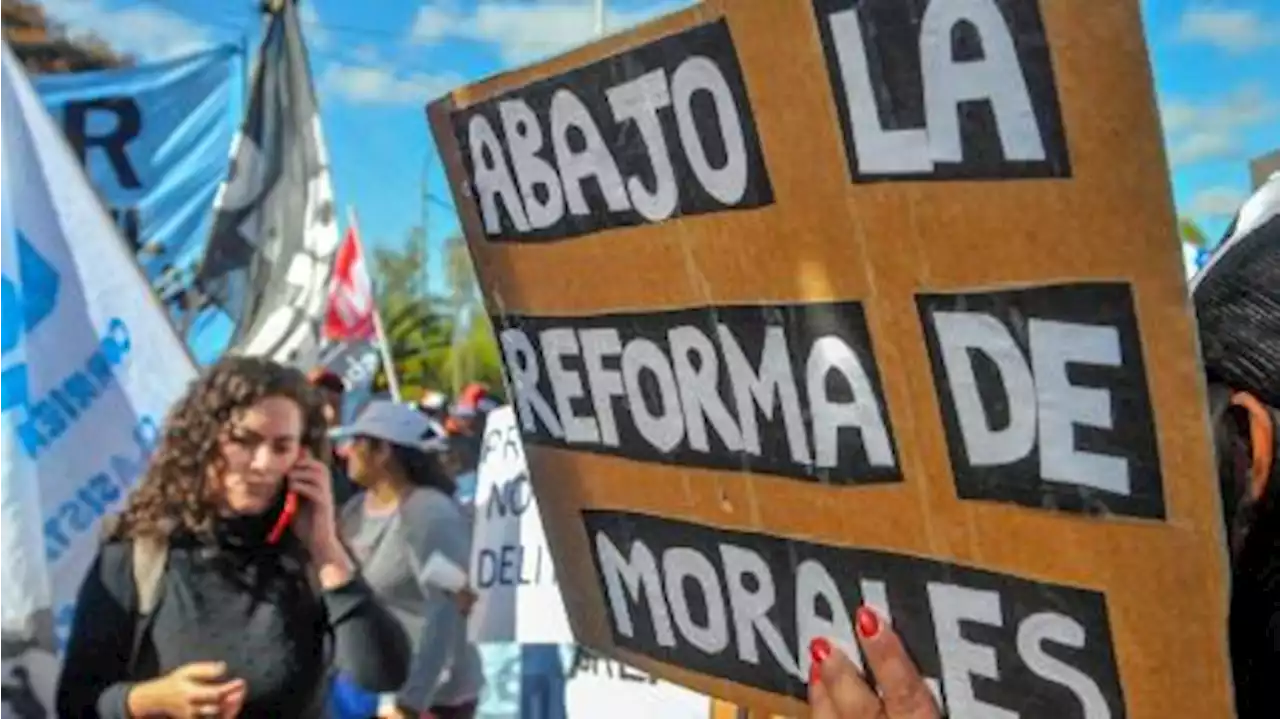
point(794, 391)
point(744, 607)
point(976, 99)
point(659, 131)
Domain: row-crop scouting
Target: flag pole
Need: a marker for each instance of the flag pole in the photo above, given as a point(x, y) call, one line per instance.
point(384, 348)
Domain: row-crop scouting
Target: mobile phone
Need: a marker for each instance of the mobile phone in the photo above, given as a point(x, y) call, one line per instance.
point(286, 516)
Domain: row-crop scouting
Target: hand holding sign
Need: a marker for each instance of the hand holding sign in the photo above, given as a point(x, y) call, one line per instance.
point(838, 690)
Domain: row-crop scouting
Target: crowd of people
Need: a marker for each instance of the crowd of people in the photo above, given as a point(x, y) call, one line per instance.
point(274, 563)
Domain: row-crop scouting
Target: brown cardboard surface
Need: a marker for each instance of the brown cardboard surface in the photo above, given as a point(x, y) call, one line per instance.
point(825, 237)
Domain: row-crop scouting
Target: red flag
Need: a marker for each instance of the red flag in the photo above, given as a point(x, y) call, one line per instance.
point(350, 316)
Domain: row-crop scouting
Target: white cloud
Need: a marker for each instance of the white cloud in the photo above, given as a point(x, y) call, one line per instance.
point(1217, 202)
point(523, 32)
point(376, 83)
point(1237, 31)
point(1209, 129)
point(317, 36)
point(146, 31)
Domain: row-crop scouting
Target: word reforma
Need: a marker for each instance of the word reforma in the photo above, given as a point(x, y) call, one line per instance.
point(744, 607)
point(660, 131)
point(791, 390)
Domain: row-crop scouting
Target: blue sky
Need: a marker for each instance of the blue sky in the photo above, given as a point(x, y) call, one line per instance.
point(377, 62)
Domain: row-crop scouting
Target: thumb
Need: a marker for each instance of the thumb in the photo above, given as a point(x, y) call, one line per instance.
point(203, 671)
point(902, 689)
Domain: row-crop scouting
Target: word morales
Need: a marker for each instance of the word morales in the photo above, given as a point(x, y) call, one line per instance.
point(612, 144)
point(943, 89)
point(799, 396)
point(1058, 415)
point(744, 607)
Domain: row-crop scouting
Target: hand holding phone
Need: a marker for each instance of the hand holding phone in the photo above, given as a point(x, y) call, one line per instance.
point(313, 518)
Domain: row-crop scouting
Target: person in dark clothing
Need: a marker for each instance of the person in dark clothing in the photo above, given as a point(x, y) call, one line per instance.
point(257, 601)
point(20, 697)
point(333, 391)
point(1237, 302)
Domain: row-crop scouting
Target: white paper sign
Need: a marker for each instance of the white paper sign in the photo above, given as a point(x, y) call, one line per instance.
point(564, 682)
point(511, 570)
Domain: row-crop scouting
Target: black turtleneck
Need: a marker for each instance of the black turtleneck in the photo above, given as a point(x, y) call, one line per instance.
point(1255, 616)
point(236, 600)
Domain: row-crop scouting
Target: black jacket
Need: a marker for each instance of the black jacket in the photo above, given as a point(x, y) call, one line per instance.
point(247, 604)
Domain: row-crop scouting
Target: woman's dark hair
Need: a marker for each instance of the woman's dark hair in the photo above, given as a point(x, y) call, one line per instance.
point(174, 494)
point(422, 469)
point(1242, 515)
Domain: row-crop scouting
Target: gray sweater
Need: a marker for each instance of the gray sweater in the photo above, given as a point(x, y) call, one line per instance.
point(393, 549)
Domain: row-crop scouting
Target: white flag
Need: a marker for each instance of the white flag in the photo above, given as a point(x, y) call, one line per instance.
point(90, 367)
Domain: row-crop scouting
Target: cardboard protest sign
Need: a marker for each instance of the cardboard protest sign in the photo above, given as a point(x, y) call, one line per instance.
point(810, 304)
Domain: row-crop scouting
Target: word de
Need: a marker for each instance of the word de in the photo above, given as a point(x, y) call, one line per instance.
point(973, 96)
point(744, 607)
point(791, 390)
point(662, 130)
point(1044, 398)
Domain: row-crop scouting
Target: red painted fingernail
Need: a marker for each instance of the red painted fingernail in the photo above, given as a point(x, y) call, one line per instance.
point(815, 673)
point(819, 650)
point(868, 622)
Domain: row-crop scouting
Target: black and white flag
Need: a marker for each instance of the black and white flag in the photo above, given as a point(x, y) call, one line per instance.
point(274, 236)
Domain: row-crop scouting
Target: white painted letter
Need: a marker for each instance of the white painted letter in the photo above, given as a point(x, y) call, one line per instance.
point(863, 412)
point(960, 332)
point(639, 100)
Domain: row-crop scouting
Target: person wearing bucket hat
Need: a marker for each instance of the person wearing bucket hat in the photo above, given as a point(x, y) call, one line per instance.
point(1237, 302)
point(413, 544)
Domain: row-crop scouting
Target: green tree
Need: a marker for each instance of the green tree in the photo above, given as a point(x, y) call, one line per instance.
point(439, 343)
point(418, 328)
point(474, 351)
point(1191, 233)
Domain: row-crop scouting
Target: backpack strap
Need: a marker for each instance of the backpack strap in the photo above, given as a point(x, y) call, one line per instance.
point(150, 557)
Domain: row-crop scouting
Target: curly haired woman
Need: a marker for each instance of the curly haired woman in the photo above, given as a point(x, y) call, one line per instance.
point(242, 617)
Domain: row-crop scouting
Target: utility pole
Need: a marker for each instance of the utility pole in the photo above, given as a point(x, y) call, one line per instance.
point(599, 10)
point(424, 272)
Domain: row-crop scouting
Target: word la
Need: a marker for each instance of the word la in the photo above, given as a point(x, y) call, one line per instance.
point(976, 98)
